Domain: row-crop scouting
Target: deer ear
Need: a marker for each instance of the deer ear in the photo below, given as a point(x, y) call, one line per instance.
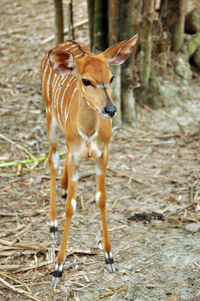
point(119, 53)
point(61, 61)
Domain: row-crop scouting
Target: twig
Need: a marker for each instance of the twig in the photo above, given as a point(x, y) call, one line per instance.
point(112, 292)
point(12, 163)
point(34, 160)
point(18, 290)
point(26, 245)
point(114, 204)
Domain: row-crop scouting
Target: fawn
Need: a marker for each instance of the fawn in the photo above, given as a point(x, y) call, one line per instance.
point(76, 86)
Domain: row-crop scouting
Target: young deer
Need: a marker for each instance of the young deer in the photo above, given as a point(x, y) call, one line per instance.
point(76, 86)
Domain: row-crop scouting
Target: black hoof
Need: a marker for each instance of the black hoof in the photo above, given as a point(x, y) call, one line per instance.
point(57, 274)
point(110, 262)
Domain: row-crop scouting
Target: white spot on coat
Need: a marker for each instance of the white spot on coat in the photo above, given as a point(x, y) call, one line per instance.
point(98, 194)
point(75, 177)
point(74, 204)
point(55, 159)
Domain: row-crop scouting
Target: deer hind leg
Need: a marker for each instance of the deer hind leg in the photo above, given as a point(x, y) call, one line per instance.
point(101, 164)
point(64, 182)
point(53, 165)
point(70, 208)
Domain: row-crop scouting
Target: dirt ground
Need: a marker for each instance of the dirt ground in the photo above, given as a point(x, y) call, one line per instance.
point(153, 167)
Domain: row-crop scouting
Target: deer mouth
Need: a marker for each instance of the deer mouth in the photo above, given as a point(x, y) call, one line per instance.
point(107, 114)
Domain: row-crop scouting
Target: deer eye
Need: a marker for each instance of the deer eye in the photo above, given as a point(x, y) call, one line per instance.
point(86, 82)
point(112, 79)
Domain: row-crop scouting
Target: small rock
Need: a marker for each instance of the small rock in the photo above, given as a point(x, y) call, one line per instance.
point(37, 180)
point(182, 68)
point(19, 86)
point(192, 21)
point(196, 58)
point(193, 227)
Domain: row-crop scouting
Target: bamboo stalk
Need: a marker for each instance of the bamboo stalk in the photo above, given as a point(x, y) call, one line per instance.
point(58, 17)
point(178, 36)
point(33, 158)
point(127, 29)
point(146, 42)
point(90, 7)
point(116, 90)
point(70, 21)
point(12, 163)
point(113, 29)
point(100, 34)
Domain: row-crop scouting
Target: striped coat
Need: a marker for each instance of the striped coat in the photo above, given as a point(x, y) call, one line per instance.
point(59, 91)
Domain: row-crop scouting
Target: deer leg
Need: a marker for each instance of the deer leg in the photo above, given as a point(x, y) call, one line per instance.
point(64, 182)
point(101, 164)
point(53, 165)
point(70, 207)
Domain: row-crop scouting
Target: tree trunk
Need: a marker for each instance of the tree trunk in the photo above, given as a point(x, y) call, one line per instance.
point(100, 34)
point(172, 18)
point(113, 29)
point(90, 7)
point(178, 36)
point(146, 42)
point(58, 16)
point(70, 23)
point(128, 21)
point(116, 90)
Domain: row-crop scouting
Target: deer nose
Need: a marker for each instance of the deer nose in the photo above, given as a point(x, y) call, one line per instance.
point(110, 110)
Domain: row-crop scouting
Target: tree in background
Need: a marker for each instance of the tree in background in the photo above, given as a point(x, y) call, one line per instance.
point(110, 22)
point(160, 25)
point(113, 35)
point(58, 17)
point(128, 28)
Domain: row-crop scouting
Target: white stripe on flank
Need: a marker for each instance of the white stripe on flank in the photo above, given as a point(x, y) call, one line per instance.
point(43, 62)
point(48, 82)
point(44, 74)
point(73, 47)
point(66, 116)
point(54, 88)
point(65, 91)
point(78, 55)
point(61, 103)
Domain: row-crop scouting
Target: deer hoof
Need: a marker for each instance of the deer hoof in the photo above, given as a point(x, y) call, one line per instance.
point(110, 262)
point(57, 274)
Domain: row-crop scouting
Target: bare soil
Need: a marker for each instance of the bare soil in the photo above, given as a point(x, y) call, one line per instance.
point(152, 186)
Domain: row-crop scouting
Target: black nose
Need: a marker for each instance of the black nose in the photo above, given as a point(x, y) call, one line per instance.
point(110, 110)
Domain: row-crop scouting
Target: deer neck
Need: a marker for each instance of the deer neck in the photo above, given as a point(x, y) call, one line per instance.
point(88, 119)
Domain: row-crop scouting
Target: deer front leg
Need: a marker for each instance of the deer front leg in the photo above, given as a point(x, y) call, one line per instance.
point(101, 164)
point(70, 207)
